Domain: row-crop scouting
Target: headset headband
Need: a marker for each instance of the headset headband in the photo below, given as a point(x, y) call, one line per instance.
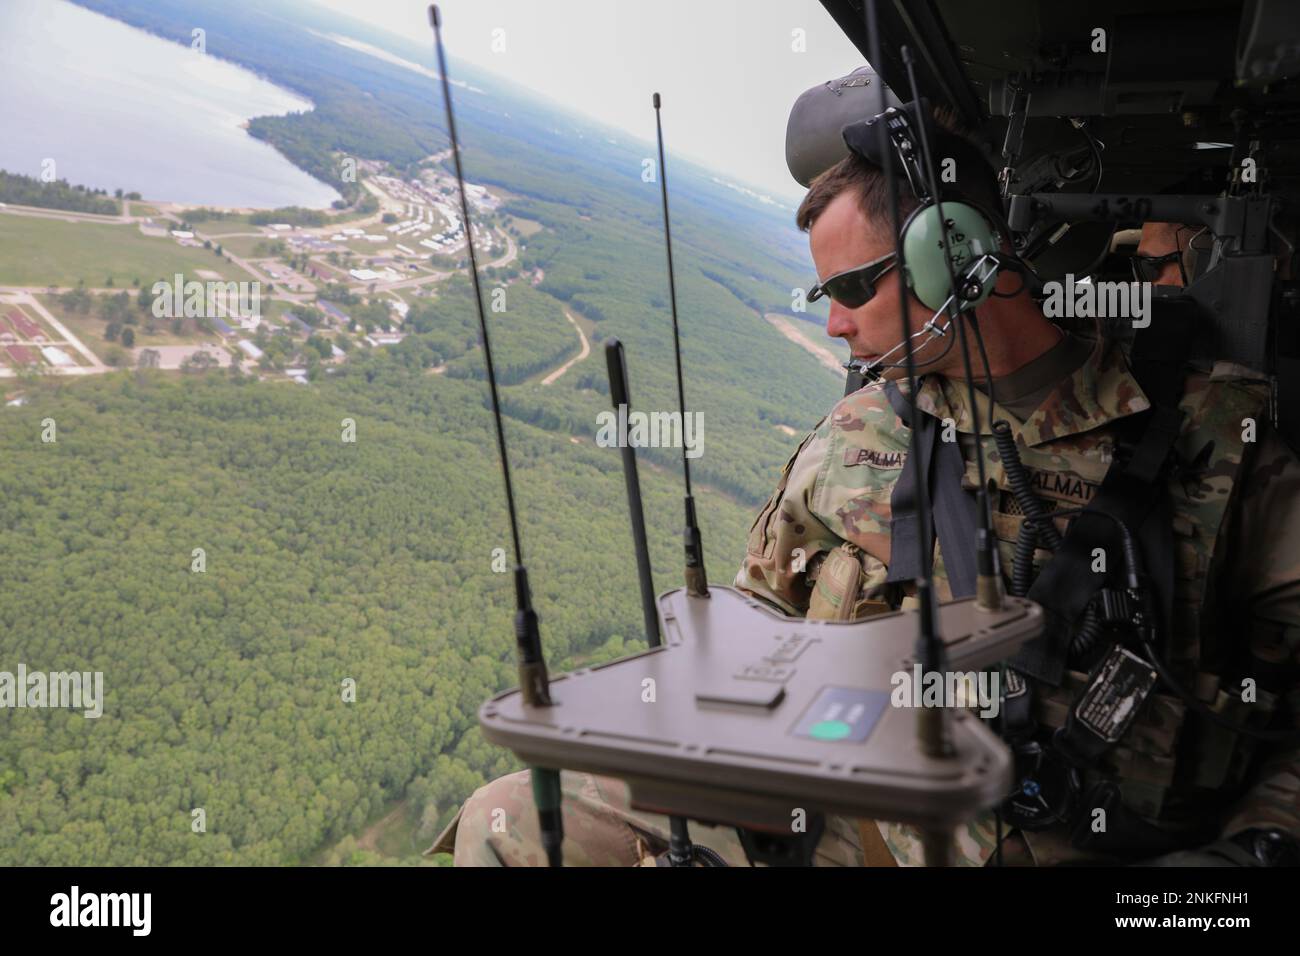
point(862, 139)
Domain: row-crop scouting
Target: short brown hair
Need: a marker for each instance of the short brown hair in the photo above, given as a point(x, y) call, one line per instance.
point(866, 179)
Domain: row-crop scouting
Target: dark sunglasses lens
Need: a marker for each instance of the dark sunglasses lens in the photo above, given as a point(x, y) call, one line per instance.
point(1147, 268)
point(851, 291)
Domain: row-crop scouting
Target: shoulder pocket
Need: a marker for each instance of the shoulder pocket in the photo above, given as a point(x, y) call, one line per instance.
point(760, 542)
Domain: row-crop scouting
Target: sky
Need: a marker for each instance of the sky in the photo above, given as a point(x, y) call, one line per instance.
point(728, 70)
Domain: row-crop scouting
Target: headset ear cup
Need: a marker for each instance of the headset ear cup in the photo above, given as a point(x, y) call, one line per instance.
point(970, 235)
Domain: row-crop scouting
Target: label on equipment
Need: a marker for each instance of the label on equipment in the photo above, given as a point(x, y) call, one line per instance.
point(841, 715)
point(1115, 695)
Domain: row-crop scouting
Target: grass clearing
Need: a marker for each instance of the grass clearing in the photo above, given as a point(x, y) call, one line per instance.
point(526, 227)
point(44, 252)
point(89, 327)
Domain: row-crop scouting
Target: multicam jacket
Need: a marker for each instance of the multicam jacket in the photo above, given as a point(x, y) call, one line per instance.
point(1236, 506)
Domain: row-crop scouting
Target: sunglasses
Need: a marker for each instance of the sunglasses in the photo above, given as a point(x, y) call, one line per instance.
point(1147, 268)
point(855, 287)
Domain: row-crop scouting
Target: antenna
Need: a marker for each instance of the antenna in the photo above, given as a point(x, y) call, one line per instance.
point(618, 394)
point(933, 732)
point(697, 581)
point(533, 680)
point(681, 852)
point(988, 593)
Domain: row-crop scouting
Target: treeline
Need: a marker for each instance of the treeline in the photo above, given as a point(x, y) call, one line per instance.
point(30, 191)
point(204, 214)
point(293, 215)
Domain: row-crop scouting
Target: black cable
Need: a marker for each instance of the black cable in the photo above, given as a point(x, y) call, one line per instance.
point(708, 857)
point(922, 492)
point(1095, 146)
point(1022, 560)
point(1089, 633)
point(954, 309)
point(1002, 664)
point(1147, 632)
point(1037, 524)
point(984, 359)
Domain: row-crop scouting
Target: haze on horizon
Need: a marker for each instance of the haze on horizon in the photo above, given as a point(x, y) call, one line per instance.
point(726, 69)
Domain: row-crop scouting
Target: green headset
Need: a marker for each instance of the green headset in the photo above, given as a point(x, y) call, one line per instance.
point(973, 230)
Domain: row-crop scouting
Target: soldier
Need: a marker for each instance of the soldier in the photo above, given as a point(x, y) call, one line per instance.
point(1178, 787)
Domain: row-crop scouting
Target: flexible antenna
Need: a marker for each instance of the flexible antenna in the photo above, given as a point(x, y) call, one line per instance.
point(618, 394)
point(933, 733)
point(681, 851)
point(988, 582)
point(697, 581)
point(533, 680)
point(988, 591)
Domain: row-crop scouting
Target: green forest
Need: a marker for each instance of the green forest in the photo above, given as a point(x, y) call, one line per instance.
point(328, 561)
point(323, 560)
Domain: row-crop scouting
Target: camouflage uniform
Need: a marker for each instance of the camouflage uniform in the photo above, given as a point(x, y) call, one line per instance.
point(1236, 508)
point(498, 826)
point(821, 547)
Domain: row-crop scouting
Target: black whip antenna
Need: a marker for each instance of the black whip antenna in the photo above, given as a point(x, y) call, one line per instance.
point(681, 852)
point(697, 581)
point(621, 399)
point(533, 680)
point(933, 733)
point(988, 592)
point(988, 586)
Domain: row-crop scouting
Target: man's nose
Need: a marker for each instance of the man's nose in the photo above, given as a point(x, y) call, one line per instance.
point(840, 322)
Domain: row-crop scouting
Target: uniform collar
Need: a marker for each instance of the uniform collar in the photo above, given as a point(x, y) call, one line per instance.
point(1100, 391)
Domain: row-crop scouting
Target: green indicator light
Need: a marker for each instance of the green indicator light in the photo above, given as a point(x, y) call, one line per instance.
point(830, 730)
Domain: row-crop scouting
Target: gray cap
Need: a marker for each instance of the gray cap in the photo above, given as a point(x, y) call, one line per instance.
point(813, 140)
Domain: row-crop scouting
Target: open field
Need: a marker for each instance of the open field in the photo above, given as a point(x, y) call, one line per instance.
point(527, 227)
point(223, 227)
point(43, 252)
point(90, 328)
point(244, 246)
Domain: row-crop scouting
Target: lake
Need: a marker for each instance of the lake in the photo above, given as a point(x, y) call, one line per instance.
point(114, 107)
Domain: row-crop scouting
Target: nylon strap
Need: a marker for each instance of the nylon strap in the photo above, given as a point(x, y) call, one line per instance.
point(942, 467)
